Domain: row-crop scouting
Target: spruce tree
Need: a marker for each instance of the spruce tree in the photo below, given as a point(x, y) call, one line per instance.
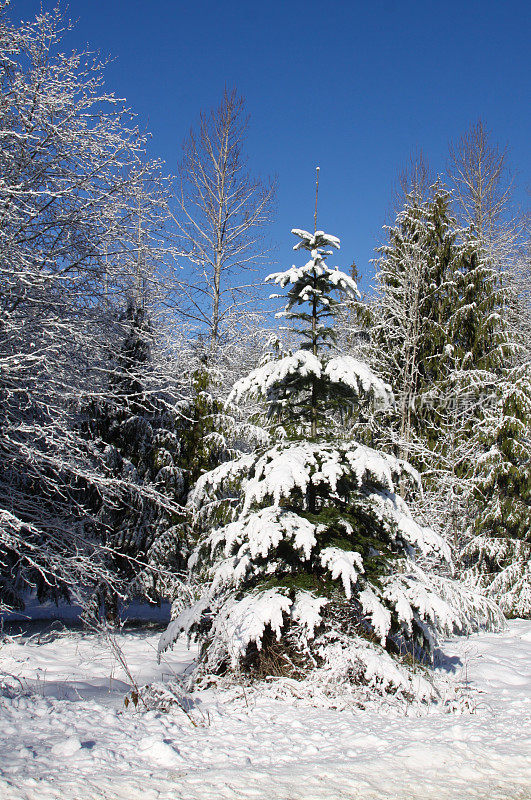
point(213, 430)
point(477, 348)
point(441, 324)
point(411, 314)
point(139, 433)
point(497, 556)
point(306, 549)
point(202, 446)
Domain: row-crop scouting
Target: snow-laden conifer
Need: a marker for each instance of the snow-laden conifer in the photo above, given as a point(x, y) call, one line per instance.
point(497, 554)
point(307, 552)
point(136, 424)
point(415, 291)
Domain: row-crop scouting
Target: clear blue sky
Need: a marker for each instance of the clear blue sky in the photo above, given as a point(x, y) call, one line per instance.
point(354, 87)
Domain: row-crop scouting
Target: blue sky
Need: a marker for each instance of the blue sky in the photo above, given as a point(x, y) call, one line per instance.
point(354, 87)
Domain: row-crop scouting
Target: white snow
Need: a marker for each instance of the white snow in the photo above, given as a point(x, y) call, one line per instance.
point(283, 469)
point(182, 623)
point(344, 564)
point(312, 240)
point(268, 376)
point(66, 747)
point(263, 530)
point(306, 611)
point(316, 267)
point(424, 539)
point(69, 736)
point(343, 370)
point(240, 622)
point(379, 614)
point(356, 375)
point(316, 243)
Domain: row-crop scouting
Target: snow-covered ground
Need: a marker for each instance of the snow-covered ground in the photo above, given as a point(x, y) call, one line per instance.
point(67, 735)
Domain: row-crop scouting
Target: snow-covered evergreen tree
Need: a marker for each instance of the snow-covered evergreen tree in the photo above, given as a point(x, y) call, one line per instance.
point(475, 352)
point(216, 431)
point(411, 314)
point(442, 327)
point(307, 552)
point(497, 557)
point(203, 444)
point(138, 429)
point(440, 332)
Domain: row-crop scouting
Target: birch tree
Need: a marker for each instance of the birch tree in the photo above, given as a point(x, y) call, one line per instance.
point(478, 171)
point(221, 214)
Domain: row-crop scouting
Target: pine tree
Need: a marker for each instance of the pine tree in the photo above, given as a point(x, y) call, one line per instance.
point(307, 553)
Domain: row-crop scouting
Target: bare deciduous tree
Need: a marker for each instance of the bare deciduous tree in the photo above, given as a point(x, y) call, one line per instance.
point(415, 178)
point(480, 177)
point(221, 214)
point(69, 152)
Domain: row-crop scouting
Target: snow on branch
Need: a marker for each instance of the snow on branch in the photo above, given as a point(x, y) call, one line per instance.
point(262, 380)
point(316, 268)
point(344, 564)
point(241, 622)
point(356, 375)
point(312, 241)
point(262, 531)
point(306, 612)
point(380, 616)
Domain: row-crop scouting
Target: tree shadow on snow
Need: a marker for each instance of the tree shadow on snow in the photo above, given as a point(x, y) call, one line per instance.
point(48, 621)
point(443, 661)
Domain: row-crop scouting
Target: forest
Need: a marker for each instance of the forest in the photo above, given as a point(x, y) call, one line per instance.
point(321, 482)
point(265, 521)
